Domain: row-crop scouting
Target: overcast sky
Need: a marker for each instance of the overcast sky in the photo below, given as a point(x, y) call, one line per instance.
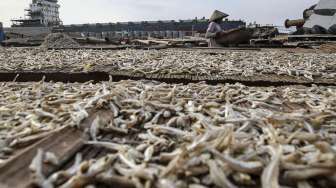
point(92, 11)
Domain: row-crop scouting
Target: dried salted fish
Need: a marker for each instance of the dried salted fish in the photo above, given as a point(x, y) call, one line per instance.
point(240, 166)
point(59, 40)
point(304, 174)
point(94, 128)
point(149, 153)
point(265, 64)
point(218, 176)
point(84, 177)
point(51, 158)
point(217, 123)
point(109, 145)
point(270, 174)
point(36, 164)
point(37, 168)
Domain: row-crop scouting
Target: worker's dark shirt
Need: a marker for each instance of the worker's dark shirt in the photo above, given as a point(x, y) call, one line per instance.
point(2, 36)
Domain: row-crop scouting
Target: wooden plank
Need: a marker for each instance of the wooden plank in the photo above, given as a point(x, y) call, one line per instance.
point(15, 173)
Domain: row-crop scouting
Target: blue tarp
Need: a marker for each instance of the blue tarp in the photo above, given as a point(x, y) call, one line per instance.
point(2, 36)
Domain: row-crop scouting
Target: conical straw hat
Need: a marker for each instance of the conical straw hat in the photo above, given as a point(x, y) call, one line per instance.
point(217, 15)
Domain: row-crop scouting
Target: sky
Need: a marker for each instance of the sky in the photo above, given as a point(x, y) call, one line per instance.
point(101, 11)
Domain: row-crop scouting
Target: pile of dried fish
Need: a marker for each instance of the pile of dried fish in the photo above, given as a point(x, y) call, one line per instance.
point(328, 48)
point(193, 135)
point(172, 62)
point(59, 40)
point(31, 111)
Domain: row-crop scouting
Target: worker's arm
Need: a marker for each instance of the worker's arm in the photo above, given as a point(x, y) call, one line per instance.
point(209, 35)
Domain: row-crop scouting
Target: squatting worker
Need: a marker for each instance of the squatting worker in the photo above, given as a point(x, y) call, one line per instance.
point(214, 30)
point(2, 33)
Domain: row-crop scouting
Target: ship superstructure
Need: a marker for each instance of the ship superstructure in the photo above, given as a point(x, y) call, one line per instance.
point(40, 13)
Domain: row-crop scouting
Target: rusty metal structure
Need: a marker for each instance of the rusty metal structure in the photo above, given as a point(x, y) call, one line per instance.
point(296, 23)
